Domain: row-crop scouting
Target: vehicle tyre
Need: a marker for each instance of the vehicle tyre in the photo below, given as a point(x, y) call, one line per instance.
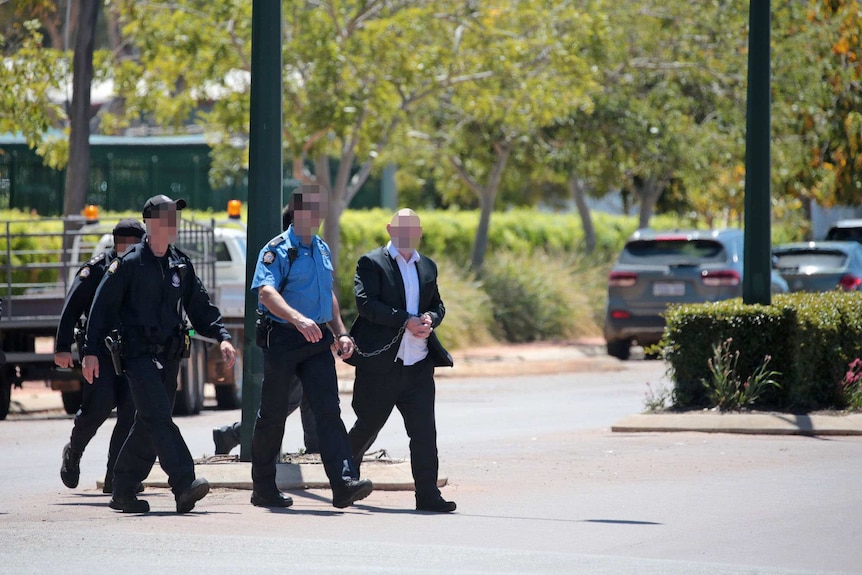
point(620, 349)
point(229, 396)
point(189, 399)
point(5, 394)
point(72, 400)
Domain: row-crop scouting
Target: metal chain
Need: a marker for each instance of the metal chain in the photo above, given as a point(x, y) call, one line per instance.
point(382, 349)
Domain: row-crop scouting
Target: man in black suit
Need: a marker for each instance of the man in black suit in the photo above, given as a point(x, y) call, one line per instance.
point(399, 306)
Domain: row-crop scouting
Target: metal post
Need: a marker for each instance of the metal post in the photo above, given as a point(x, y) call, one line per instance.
point(758, 240)
point(264, 187)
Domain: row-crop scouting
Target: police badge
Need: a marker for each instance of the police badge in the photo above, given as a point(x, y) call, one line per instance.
point(175, 280)
point(268, 257)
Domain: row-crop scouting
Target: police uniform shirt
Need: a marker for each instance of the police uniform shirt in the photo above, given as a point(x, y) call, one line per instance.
point(147, 294)
point(79, 298)
point(308, 289)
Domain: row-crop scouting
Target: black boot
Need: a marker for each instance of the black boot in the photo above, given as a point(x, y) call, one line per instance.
point(129, 504)
point(225, 438)
point(70, 471)
point(351, 491)
point(192, 494)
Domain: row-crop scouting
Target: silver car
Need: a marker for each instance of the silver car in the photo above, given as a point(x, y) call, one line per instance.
point(820, 266)
point(656, 269)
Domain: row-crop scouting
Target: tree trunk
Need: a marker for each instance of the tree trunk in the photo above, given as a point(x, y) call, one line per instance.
point(78, 169)
point(576, 187)
point(480, 242)
point(649, 191)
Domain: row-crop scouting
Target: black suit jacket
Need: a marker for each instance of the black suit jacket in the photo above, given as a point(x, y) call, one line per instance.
point(382, 307)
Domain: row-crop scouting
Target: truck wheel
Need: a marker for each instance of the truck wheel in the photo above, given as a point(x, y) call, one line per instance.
point(230, 396)
point(5, 394)
point(190, 389)
point(620, 349)
point(72, 401)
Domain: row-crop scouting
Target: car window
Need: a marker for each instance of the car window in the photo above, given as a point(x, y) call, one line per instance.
point(811, 258)
point(671, 251)
point(845, 235)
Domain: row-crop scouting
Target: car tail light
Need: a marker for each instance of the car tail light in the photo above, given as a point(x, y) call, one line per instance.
point(620, 314)
point(849, 282)
point(717, 278)
point(622, 279)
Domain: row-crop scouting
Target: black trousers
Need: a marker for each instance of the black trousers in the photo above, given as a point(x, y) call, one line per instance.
point(298, 400)
point(289, 354)
point(410, 389)
point(154, 431)
point(107, 391)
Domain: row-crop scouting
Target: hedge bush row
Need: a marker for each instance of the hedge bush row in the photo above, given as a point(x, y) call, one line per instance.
point(810, 338)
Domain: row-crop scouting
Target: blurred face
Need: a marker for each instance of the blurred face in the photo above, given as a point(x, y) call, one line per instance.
point(122, 243)
point(162, 226)
point(405, 230)
point(309, 210)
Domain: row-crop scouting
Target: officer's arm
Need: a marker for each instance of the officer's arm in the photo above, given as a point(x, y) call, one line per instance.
point(205, 317)
point(272, 300)
point(77, 302)
point(105, 308)
point(366, 288)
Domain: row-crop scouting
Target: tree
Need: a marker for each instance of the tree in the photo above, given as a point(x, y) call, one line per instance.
point(539, 71)
point(78, 168)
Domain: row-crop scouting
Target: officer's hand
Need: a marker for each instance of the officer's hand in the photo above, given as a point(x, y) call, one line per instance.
point(343, 346)
point(309, 329)
point(228, 353)
point(90, 367)
point(63, 359)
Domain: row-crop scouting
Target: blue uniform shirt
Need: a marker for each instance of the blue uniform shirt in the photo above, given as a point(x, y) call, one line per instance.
point(308, 289)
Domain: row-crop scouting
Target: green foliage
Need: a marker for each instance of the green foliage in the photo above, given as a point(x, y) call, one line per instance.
point(850, 394)
point(810, 338)
point(728, 389)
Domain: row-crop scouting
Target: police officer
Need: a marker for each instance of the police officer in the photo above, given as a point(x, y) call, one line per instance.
point(226, 437)
point(293, 281)
point(148, 289)
point(108, 390)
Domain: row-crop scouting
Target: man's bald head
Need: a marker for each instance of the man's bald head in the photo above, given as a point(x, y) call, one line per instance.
point(405, 230)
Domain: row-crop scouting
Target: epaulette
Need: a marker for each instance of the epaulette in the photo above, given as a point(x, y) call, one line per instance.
point(94, 260)
point(275, 241)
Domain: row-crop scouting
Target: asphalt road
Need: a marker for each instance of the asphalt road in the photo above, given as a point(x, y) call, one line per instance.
point(542, 486)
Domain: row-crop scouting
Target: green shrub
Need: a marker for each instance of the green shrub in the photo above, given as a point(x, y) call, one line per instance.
point(534, 298)
point(469, 315)
point(811, 339)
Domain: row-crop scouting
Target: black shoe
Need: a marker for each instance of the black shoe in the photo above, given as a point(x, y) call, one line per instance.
point(224, 440)
point(70, 471)
point(108, 485)
point(192, 494)
point(129, 505)
point(350, 492)
point(278, 499)
point(437, 505)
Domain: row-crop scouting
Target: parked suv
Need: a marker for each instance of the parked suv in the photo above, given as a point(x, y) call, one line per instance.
point(656, 269)
point(845, 230)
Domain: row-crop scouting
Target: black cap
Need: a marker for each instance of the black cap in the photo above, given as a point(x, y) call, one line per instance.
point(153, 205)
point(129, 228)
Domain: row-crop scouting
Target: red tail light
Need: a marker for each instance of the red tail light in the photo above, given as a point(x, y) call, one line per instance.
point(849, 282)
point(622, 279)
point(620, 314)
point(717, 278)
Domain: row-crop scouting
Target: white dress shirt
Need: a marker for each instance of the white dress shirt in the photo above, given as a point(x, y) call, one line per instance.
point(412, 349)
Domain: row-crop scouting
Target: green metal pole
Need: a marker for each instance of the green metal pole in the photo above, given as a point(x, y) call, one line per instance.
point(758, 235)
point(264, 187)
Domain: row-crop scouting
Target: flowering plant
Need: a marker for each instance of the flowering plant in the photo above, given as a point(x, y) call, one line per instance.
point(851, 385)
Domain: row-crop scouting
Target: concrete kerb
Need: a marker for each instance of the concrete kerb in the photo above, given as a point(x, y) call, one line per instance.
point(743, 423)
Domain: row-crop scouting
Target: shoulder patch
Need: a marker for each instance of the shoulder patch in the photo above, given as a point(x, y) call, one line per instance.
point(275, 241)
point(268, 257)
point(113, 267)
point(85, 272)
